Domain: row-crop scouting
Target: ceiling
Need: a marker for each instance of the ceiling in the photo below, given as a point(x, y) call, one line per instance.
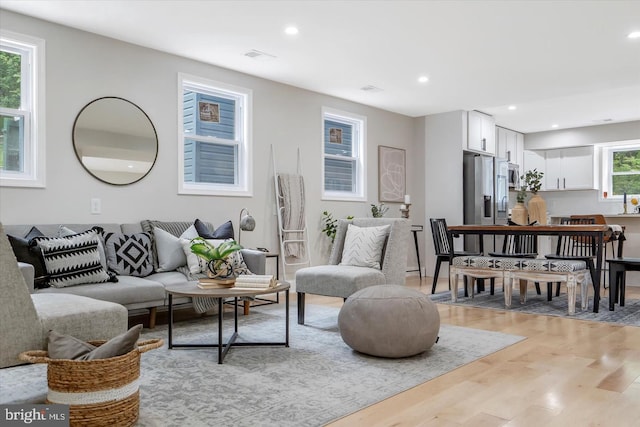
point(568, 63)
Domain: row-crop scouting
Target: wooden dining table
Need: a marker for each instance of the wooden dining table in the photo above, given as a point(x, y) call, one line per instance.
point(597, 231)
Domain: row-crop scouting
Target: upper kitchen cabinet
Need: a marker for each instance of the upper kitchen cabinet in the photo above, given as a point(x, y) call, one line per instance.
point(510, 146)
point(571, 169)
point(481, 136)
point(535, 160)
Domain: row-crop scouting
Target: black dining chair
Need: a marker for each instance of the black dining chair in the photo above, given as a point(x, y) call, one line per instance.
point(576, 248)
point(607, 239)
point(443, 250)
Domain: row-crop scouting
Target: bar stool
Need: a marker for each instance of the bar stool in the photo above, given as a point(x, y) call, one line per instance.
point(618, 268)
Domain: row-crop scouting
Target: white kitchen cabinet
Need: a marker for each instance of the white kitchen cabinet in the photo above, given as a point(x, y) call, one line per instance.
point(481, 133)
point(570, 169)
point(502, 136)
point(510, 146)
point(519, 157)
point(535, 160)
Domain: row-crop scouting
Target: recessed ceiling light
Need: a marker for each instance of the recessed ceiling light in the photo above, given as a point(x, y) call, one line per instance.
point(423, 79)
point(554, 125)
point(291, 30)
point(634, 35)
point(512, 107)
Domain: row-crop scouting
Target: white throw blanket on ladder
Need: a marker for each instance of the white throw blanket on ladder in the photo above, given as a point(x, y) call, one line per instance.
point(292, 202)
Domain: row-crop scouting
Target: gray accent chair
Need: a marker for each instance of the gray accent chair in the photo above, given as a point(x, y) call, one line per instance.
point(25, 319)
point(341, 281)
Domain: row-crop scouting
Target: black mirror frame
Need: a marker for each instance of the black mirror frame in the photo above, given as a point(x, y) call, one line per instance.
point(73, 138)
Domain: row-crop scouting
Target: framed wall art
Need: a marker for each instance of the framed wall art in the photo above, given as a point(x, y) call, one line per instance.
point(391, 174)
point(209, 112)
point(335, 135)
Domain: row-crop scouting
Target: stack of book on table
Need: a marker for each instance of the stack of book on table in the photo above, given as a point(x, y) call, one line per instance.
point(206, 283)
point(244, 281)
point(256, 281)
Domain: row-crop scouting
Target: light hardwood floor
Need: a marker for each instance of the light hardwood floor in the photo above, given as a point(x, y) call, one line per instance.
point(566, 373)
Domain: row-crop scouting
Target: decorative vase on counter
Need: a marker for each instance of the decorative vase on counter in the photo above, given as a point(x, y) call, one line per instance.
point(537, 209)
point(519, 214)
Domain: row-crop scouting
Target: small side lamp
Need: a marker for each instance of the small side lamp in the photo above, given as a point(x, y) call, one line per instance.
point(246, 223)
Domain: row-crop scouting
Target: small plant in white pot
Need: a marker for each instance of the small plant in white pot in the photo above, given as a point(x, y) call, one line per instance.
point(537, 206)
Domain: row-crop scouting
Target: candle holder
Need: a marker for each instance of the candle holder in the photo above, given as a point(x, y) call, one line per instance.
point(404, 213)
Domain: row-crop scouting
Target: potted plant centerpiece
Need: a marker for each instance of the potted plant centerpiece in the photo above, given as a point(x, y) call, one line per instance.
point(537, 205)
point(219, 266)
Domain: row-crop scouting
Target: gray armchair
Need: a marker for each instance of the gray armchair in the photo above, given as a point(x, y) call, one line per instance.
point(336, 280)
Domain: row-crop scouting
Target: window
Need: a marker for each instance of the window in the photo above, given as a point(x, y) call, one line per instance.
point(621, 167)
point(215, 139)
point(343, 145)
point(22, 155)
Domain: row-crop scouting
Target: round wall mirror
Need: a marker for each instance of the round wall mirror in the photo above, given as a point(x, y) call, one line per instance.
point(115, 140)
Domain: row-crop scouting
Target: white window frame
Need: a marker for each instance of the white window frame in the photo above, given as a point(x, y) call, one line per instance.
point(32, 110)
point(243, 96)
point(360, 149)
point(607, 166)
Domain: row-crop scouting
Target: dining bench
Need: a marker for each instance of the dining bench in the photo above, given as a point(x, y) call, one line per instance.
point(571, 272)
point(595, 231)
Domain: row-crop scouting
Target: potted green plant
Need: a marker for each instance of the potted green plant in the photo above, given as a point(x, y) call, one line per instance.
point(378, 211)
point(217, 257)
point(532, 180)
point(330, 225)
point(537, 205)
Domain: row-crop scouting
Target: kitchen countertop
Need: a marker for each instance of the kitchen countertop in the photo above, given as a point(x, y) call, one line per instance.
point(620, 215)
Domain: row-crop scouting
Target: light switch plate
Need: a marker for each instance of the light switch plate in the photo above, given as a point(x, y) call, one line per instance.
point(96, 206)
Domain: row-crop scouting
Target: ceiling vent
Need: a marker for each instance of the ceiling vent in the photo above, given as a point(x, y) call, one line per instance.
point(371, 89)
point(259, 56)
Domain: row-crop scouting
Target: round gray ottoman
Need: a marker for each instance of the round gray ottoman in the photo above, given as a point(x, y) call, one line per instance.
point(389, 321)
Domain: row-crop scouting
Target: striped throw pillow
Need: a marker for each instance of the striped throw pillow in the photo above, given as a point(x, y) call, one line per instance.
point(72, 260)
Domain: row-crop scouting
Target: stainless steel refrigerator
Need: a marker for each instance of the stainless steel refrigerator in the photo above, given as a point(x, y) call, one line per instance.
point(486, 197)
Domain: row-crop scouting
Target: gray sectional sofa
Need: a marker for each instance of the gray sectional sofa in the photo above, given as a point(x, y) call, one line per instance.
point(134, 293)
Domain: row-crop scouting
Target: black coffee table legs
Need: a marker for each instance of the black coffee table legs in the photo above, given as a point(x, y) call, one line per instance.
point(223, 348)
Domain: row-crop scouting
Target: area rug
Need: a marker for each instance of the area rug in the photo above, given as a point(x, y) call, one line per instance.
point(538, 304)
point(316, 380)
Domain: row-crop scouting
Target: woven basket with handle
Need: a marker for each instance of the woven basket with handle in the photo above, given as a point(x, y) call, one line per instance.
point(101, 392)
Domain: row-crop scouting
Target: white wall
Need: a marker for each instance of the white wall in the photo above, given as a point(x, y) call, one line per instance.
point(443, 139)
point(81, 67)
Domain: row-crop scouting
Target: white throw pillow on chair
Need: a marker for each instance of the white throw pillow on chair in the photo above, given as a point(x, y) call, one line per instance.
point(363, 246)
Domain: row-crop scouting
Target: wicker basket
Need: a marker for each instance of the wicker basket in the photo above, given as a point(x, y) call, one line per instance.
point(101, 392)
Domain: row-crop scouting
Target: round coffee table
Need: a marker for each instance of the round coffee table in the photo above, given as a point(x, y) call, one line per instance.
point(191, 289)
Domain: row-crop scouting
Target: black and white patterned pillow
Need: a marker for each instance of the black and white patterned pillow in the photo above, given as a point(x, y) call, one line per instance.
point(72, 260)
point(129, 254)
point(238, 264)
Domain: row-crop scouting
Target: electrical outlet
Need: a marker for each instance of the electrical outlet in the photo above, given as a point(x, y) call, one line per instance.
point(96, 206)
